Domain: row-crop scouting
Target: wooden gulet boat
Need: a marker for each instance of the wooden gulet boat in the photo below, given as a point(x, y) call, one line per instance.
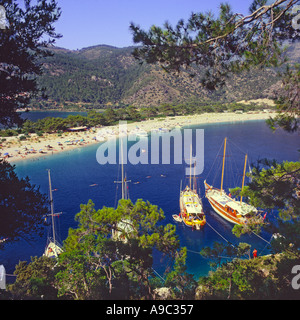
point(237, 212)
point(191, 208)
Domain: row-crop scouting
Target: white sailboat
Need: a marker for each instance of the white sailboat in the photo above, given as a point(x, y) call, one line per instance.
point(191, 208)
point(124, 226)
point(53, 247)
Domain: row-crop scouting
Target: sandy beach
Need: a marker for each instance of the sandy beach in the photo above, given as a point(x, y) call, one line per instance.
point(14, 150)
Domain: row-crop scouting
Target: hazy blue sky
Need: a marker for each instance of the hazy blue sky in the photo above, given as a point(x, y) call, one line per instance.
point(92, 22)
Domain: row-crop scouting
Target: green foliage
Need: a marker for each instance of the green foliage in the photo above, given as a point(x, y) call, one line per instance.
point(214, 48)
point(34, 280)
point(99, 75)
point(274, 186)
point(22, 42)
point(22, 138)
point(183, 283)
point(227, 43)
point(220, 252)
point(8, 133)
point(111, 116)
point(122, 82)
point(110, 253)
point(261, 278)
point(239, 230)
point(108, 256)
point(288, 101)
point(22, 206)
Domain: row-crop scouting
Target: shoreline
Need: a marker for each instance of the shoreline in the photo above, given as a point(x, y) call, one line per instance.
point(13, 150)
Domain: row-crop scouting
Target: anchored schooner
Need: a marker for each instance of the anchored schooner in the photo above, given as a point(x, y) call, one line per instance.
point(53, 247)
point(237, 212)
point(191, 208)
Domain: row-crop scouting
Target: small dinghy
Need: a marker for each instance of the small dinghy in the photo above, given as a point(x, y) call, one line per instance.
point(177, 218)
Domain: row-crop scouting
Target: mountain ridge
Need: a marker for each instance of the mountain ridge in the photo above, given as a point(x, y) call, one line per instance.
point(100, 76)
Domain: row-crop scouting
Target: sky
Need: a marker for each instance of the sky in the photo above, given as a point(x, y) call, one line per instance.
point(93, 22)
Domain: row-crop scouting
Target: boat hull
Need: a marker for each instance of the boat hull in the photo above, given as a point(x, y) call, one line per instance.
point(219, 209)
point(223, 213)
point(194, 224)
point(177, 218)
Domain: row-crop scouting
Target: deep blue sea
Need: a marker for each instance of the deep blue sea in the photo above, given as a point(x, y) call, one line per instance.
point(75, 171)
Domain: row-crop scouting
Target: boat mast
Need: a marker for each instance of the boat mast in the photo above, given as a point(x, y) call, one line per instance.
point(194, 179)
point(123, 189)
point(244, 175)
point(51, 205)
point(190, 167)
point(223, 164)
point(124, 180)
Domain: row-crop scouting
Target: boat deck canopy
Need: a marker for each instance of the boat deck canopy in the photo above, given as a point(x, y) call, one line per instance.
point(191, 202)
point(222, 198)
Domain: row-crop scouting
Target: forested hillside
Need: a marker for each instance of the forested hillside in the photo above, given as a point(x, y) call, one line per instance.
point(102, 76)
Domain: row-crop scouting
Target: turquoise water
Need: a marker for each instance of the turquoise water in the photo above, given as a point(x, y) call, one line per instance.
point(75, 171)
